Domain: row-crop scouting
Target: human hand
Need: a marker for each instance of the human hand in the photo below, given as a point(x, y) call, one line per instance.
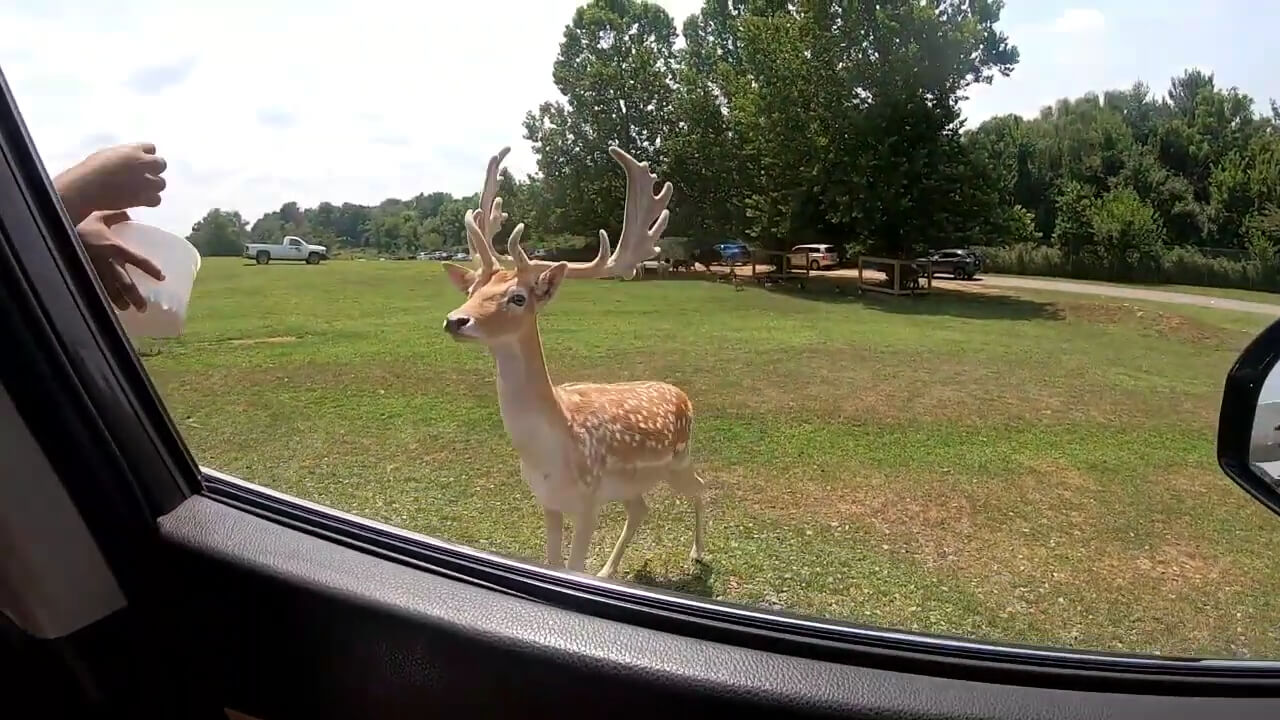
point(114, 178)
point(109, 258)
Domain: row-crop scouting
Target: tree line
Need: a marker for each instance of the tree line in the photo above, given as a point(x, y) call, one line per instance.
point(789, 121)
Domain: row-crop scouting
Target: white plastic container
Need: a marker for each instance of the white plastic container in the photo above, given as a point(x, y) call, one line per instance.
point(166, 312)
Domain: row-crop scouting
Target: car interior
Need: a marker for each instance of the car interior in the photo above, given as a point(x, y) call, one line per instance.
point(137, 583)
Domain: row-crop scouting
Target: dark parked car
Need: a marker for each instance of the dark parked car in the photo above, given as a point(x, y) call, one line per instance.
point(732, 253)
point(961, 264)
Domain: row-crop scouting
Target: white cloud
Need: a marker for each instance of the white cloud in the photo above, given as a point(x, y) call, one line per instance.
point(1074, 20)
point(1069, 51)
point(1062, 56)
point(257, 103)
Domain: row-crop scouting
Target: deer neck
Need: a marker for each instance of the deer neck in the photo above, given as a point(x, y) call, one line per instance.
point(530, 411)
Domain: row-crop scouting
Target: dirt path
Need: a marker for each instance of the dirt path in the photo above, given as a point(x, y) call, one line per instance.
point(992, 282)
point(1124, 291)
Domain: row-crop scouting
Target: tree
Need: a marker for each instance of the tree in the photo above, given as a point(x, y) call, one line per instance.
point(1128, 239)
point(1244, 190)
point(268, 229)
point(790, 121)
point(615, 69)
point(1200, 158)
point(220, 232)
point(1073, 220)
point(807, 121)
point(428, 206)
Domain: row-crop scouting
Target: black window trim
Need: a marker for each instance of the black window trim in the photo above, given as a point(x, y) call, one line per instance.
point(139, 468)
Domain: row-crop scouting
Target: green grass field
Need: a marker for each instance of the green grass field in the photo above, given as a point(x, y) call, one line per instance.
point(1034, 469)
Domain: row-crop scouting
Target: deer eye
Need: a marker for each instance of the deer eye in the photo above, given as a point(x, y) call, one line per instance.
point(517, 300)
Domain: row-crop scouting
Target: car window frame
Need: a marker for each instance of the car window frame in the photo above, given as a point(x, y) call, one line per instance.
point(135, 466)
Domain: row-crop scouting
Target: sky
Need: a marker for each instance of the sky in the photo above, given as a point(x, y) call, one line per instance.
point(256, 103)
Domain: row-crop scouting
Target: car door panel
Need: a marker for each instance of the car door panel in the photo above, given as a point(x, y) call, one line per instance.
point(292, 625)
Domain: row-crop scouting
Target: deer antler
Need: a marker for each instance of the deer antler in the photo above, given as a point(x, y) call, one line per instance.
point(485, 221)
point(643, 220)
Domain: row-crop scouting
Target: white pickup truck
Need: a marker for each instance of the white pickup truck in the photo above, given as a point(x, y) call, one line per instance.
point(291, 248)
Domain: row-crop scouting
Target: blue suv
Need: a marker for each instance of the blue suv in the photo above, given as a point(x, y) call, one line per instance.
point(734, 252)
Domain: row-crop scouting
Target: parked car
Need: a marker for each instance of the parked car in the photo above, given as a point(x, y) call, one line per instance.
point(291, 248)
point(733, 253)
point(660, 267)
point(815, 257)
point(433, 255)
point(461, 257)
point(960, 263)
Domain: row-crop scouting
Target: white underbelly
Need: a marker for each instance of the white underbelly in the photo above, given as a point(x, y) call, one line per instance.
point(560, 491)
point(629, 482)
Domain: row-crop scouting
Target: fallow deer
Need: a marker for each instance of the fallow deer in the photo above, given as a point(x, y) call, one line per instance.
point(581, 445)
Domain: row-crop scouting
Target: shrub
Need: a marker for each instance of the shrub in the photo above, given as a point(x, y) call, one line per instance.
point(1024, 259)
point(1178, 266)
point(1020, 225)
point(1074, 227)
point(1128, 239)
point(571, 248)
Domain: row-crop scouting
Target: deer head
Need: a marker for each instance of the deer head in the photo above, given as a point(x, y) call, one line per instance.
point(502, 301)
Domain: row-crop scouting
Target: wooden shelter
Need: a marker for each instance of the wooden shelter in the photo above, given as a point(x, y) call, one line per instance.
point(902, 277)
point(781, 270)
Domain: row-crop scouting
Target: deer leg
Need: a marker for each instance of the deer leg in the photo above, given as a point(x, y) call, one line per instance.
point(686, 482)
point(555, 538)
point(637, 511)
point(695, 555)
point(584, 526)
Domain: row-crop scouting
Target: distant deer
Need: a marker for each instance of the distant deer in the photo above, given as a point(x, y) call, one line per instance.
point(581, 445)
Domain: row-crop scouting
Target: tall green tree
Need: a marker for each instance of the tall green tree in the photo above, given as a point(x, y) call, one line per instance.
point(219, 232)
point(1200, 157)
point(788, 121)
point(615, 69)
point(819, 120)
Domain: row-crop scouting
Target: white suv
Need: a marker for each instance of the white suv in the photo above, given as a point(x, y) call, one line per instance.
point(816, 257)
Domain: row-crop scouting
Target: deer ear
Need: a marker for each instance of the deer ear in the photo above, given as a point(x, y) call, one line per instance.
point(460, 277)
point(544, 288)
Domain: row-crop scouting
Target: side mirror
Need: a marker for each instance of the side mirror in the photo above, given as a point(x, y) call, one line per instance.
point(1249, 422)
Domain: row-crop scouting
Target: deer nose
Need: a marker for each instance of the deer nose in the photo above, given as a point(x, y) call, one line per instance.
point(453, 324)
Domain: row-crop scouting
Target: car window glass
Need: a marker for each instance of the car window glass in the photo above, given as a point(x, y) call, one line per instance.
point(1020, 451)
